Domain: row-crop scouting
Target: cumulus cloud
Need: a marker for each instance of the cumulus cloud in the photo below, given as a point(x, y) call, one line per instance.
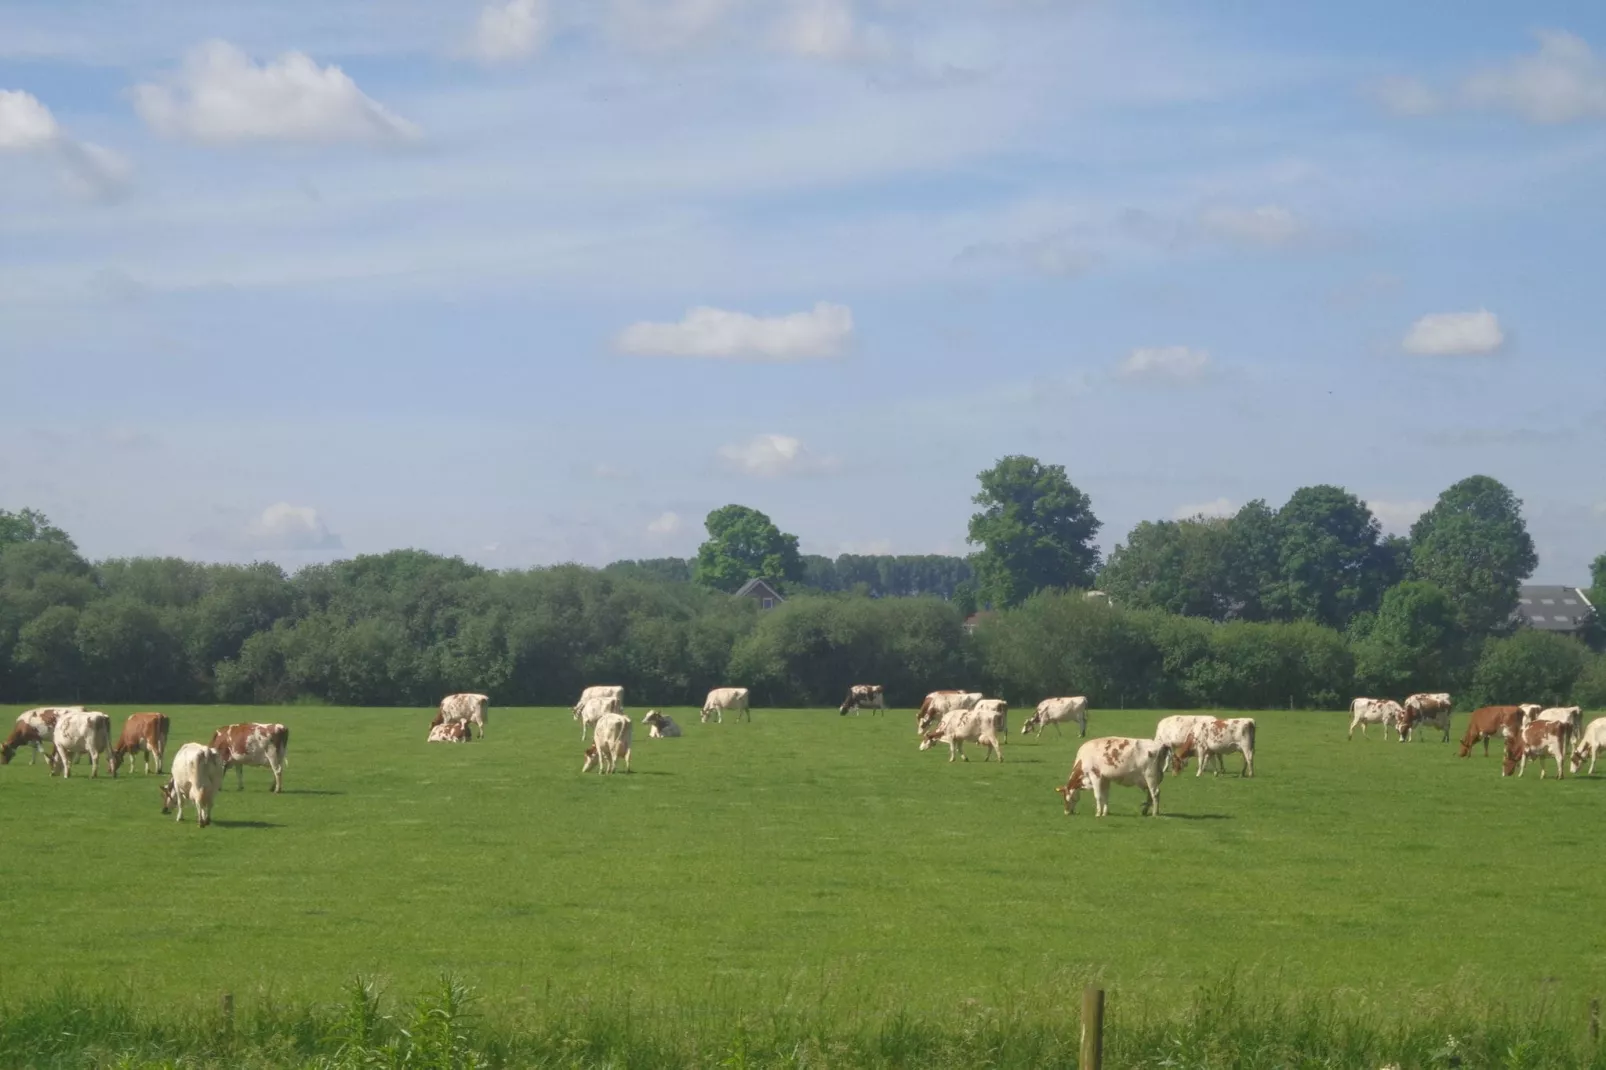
point(1219, 508)
point(221, 96)
point(27, 126)
point(509, 30)
point(1397, 517)
point(1455, 334)
point(666, 524)
point(1165, 364)
point(1268, 225)
point(283, 526)
point(25, 123)
point(715, 333)
point(1564, 81)
point(771, 457)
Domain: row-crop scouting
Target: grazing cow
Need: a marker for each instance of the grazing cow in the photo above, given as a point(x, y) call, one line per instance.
point(450, 732)
point(1175, 731)
point(1592, 742)
point(143, 733)
point(1365, 711)
point(1057, 711)
point(959, 727)
point(1137, 763)
point(864, 697)
point(660, 725)
point(997, 711)
point(34, 729)
point(939, 703)
point(1428, 709)
point(721, 699)
point(251, 743)
point(613, 691)
point(467, 707)
point(610, 743)
point(1490, 721)
point(197, 777)
point(1214, 737)
point(1537, 740)
point(1571, 716)
point(81, 732)
point(589, 712)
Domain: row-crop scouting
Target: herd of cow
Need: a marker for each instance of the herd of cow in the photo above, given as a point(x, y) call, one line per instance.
point(1528, 731)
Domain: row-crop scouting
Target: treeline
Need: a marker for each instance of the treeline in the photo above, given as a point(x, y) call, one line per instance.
point(875, 575)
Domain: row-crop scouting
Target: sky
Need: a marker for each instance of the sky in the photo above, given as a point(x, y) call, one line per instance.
point(538, 281)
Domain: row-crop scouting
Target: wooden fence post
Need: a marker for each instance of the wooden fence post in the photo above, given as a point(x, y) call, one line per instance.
point(1594, 1020)
point(1092, 1028)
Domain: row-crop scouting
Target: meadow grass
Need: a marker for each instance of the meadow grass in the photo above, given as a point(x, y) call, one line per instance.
point(805, 881)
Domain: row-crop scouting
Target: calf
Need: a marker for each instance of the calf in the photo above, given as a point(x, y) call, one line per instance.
point(1137, 763)
point(610, 743)
point(1214, 737)
point(197, 777)
point(1428, 709)
point(939, 703)
point(1537, 740)
point(1490, 721)
point(34, 729)
point(863, 697)
point(1056, 711)
point(450, 732)
point(1591, 742)
point(660, 726)
point(467, 707)
point(959, 727)
point(722, 699)
point(80, 732)
point(143, 733)
point(1365, 711)
point(589, 712)
point(251, 743)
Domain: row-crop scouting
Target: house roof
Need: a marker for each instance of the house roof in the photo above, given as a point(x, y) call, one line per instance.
point(758, 587)
point(1553, 609)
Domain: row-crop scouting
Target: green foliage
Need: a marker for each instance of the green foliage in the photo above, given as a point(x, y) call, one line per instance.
point(30, 525)
point(1414, 643)
point(1035, 530)
point(1530, 666)
point(1475, 546)
point(1062, 643)
point(1590, 690)
point(1174, 566)
point(1597, 575)
point(1252, 560)
point(743, 544)
point(1331, 563)
point(887, 575)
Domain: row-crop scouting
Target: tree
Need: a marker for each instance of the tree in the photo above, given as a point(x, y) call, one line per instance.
point(744, 544)
point(1176, 566)
point(1036, 531)
point(1413, 643)
point(30, 525)
point(1597, 579)
point(1530, 666)
point(1330, 562)
point(1475, 546)
point(1251, 561)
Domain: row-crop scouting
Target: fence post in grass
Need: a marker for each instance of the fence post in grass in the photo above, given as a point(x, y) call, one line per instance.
point(1594, 1020)
point(1092, 1028)
point(227, 1004)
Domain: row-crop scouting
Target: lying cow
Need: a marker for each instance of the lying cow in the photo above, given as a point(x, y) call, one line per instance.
point(1590, 743)
point(1425, 709)
point(1137, 763)
point(610, 743)
point(1487, 722)
point(251, 743)
point(959, 727)
point(1057, 711)
point(34, 729)
point(143, 733)
point(1537, 740)
point(467, 707)
point(940, 703)
point(660, 725)
point(450, 732)
point(863, 697)
point(197, 777)
point(80, 732)
point(1214, 737)
point(592, 710)
point(726, 699)
point(1365, 711)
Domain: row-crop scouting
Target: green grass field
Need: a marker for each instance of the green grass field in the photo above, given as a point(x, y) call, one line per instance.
point(804, 859)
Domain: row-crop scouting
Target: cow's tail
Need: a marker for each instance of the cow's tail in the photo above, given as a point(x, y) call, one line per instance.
point(1249, 738)
point(281, 742)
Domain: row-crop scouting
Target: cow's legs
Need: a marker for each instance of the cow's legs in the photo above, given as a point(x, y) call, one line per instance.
point(1353, 722)
point(1249, 764)
point(278, 777)
point(1101, 797)
point(94, 764)
point(239, 775)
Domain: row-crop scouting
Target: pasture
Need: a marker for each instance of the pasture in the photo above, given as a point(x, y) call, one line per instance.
point(802, 859)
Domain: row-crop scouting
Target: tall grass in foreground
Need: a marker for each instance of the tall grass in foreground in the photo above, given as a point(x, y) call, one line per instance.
point(1224, 1026)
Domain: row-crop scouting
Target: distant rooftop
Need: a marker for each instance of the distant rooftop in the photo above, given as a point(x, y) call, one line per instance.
point(1554, 609)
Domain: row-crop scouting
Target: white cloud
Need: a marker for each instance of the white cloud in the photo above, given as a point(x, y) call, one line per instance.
point(1397, 517)
point(771, 457)
point(716, 333)
point(1407, 96)
point(24, 122)
point(26, 125)
point(511, 29)
point(1219, 508)
point(1564, 81)
point(283, 526)
point(221, 96)
point(666, 524)
point(1269, 224)
point(1165, 364)
point(821, 29)
point(1452, 334)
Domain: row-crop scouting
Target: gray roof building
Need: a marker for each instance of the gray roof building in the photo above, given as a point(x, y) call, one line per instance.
point(1554, 609)
point(766, 596)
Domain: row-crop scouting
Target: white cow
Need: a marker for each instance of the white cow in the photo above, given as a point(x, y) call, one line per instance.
point(1538, 740)
point(996, 710)
point(959, 727)
point(1213, 737)
point(80, 732)
point(197, 777)
point(613, 691)
point(1176, 730)
point(721, 699)
point(1057, 711)
point(592, 710)
point(34, 729)
point(1571, 716)
point(1365, 711)
point(450, 732)
point(1591, 743)
point(465, 707)
point(609, 743)
point(940, 703)
point(660, 725)
point(253, 743)
point(1137, 763)
point(1433, 709)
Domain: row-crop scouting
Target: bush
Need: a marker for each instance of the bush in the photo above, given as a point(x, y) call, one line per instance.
point(1530, 666)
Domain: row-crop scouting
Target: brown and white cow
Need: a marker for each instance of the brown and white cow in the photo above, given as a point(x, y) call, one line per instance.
point(864, 697)
point(1365, 711)
point(34, 729)
point(143, 733)
point(1212, 738)
point(1425, 709)
point(251, 743)
point(1177, 729)
point(1136, 763)
point(197, 777)
point(959, 727)
point(1057, 711)
point(1571, 716)
point(660, 725)
point(80, 732)
point(1538, 740)
point(467, 707)
point(1485, 723)
point(610, 742)
point(450, 732)
point(726, 699)
point(1590, 744)
point(940, 703)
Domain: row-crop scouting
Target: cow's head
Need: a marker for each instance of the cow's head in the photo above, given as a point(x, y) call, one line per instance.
point(1072, 788)
point(1513, 754)
point(1179, 757)
point(930, 738)
point(1407, 718)
point(1579, 755)
point(591, 759)
point(169, 796)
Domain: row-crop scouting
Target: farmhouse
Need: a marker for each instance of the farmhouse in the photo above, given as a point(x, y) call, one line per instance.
point(761, 592)
point(1566, 610)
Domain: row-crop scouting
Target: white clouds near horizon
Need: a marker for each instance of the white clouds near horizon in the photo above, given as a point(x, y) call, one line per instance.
point(1165, 365)
point(1455, 334)
point(27, 126)
point(772, 457)
point(283, 526)
point(714, 333)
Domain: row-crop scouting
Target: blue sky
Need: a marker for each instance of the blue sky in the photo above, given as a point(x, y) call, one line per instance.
point(547, 280)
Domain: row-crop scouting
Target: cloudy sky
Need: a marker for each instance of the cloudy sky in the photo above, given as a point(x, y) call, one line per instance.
point(547, 280)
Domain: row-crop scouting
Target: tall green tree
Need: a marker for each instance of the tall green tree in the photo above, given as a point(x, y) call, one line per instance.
point(30, 525)
point(1035, 531)
point(1330, 560)
point(1414, 643)
point(1597, 579)
point(1251, 566)
point(743, 544)
point(1475, 546)
point(1177, 566)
